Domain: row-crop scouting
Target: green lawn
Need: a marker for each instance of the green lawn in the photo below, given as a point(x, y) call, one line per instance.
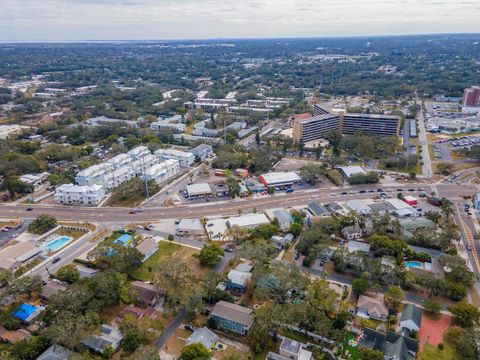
point(149, 267)
point(354, 352)
point(432, 353)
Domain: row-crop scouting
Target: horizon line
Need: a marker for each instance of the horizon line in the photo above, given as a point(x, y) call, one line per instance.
point(58, 41)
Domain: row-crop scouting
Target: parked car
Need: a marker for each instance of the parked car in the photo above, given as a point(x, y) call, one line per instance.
point(57, 259)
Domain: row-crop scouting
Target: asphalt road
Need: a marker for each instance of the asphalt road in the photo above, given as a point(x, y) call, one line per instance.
point(229, 207)
point(422, 136)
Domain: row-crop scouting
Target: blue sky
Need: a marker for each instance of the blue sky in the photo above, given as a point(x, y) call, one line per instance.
point(25, 20)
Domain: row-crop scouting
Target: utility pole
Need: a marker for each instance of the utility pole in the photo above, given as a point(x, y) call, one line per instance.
point(224, 132)
point(145, 179)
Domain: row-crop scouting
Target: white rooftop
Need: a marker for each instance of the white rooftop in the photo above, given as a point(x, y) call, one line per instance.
point(398, 204)
point(280, 177)
point(248, 220)
point(353, 246)
point(352, 170)
point(198, 189)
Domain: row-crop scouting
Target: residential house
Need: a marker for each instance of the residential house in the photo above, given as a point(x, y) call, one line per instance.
point(354, 246)
point(359, 207)
point(202, 151)
point(318, 210)
point(411, 318)
point(139, 313)
point(232, 317)
point(147, 248)
point(400, 346)
point(290, 350)
point(55, 352)
point(109, 337)
point(51, 289)
point(86, 272)
point(203, 336)
point(369, 307)
point(281, 242)
point(147, 294)
point(353, 232)
point(284, 219)
point(238, 280)
point(14, 336)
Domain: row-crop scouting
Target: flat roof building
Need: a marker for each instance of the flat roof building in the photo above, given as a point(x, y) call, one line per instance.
point(248, 221)
point(349, 171)
point(201, 189)
point(279, 178)
point(319, 126)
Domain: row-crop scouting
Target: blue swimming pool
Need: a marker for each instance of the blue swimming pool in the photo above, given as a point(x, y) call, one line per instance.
point(415, 264)
point(57, 243)
point(124, 239)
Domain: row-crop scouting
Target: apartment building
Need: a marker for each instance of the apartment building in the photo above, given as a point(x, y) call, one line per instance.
point(70, 194)
point(184, 158)
point(124, 167)
point(159, 125)
point(163, 171)
point(471, 97)
point(317, 127)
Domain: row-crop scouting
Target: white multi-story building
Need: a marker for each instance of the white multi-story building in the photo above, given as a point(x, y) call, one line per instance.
point(70, 194)
point(138, 162)
point(163, 171)
point(158, 125)
point(139, 152)
point(94, 174)
point(120, 160)
point(184, 158)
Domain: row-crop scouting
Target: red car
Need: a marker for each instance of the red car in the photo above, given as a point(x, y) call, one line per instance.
point(132, 212)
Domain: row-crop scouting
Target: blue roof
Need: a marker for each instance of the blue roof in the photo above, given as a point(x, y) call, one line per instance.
point(124, 239)
point(24, 311)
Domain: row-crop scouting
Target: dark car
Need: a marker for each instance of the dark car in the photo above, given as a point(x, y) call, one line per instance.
point(344, 193)
point(399, 189)
point(57, 259)
point(132, 212)
point(379, 190)
point(362, 191)
point(411, 190)
point(29, 209)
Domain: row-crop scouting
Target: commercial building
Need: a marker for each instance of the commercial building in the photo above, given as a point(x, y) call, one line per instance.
point(279, 179)
point(359, 207)
point(70, 194)
point(248, 221)
point(184, 158)
point(319, 126)
point(190, 227)
point(349, 171)
point(471, 97)
point(410, 200)
point(232, 317)
point(199, 190)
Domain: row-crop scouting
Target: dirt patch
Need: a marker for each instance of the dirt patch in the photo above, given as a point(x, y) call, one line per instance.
point(431, 331)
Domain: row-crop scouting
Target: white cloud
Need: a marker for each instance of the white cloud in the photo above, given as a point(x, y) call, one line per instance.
point(169, 19)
